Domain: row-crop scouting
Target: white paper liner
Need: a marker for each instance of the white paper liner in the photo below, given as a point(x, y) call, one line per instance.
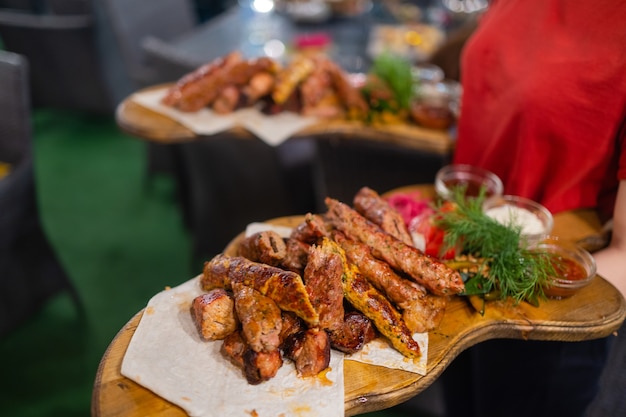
point(272, 129)
point(167, 356)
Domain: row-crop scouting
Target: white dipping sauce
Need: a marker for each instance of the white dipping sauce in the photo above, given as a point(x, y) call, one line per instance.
point(508, 215)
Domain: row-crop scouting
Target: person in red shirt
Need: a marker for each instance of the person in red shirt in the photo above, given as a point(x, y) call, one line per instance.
point(544, 108)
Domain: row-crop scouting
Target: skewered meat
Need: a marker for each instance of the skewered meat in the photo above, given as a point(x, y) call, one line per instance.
point(369, 301)
point(434, 275)
point(322, 277)
point(310, 351)
point(260, 318)
point(285, 288)
point(214, 314)
point(267, 247)
point(355, 332)
point(421, 311)
point(374, 208)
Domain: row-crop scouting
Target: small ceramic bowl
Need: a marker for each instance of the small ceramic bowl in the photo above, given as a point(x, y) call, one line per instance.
point(575, 268)
point(471, 177)
point(535, 220)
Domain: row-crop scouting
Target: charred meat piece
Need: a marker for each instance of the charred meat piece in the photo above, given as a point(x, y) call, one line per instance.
point(312, 229)
point(310, 351)
point(233, 348)
point(421, 311)
point(214, 314)
point(257, 367)
point(267, 247)
point(261, 366)
point(260, 318)
point(285, 288)
point(198, 88)
point(356, 331)
point(292, 324)
point(373, 304)
point(434, 275)
point(296, 256)
point(374, 208)
point(322, 277)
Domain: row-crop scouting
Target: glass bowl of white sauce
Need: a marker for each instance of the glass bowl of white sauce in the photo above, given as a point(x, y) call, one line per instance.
point(533, 219)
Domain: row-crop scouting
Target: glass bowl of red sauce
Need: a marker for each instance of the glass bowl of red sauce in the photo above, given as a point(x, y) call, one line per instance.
point(574, 268)
point(472, 178)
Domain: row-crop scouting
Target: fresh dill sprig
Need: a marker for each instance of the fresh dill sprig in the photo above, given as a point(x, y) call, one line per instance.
point(514, 269)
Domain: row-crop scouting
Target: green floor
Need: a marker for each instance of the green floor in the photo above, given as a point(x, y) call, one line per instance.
point(121, 240)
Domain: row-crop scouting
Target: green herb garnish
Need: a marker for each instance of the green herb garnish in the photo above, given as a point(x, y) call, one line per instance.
point(515, 270)
point(396, 72)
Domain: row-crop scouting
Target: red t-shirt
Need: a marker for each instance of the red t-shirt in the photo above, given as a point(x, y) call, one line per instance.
point(544, 96)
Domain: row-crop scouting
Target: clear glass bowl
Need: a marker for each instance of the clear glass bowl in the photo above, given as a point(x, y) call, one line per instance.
point(534, 219)
point(575, 268)
point(471, 177)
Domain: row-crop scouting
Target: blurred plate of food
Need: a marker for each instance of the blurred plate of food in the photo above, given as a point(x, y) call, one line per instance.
point(416, 42)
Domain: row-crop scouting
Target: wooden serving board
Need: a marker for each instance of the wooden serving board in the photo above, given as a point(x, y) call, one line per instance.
point(145, 123)
point(594, 312)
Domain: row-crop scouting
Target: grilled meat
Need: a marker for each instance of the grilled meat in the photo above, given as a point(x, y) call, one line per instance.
point(312, 229)
point(421, 311)
point(322, 277)
point(267, 247)
point(285, 288)
point(296, 256)
point(261, 366)
point(355, 332)
point(260, 318)
point(434, 275)
point(257, 367)
point(198, 88)
point(292, 324)
point(373, 304)
point(287, 79)
point(233, 348)
point(309, 350)
point(214, 314)
point(374, 208)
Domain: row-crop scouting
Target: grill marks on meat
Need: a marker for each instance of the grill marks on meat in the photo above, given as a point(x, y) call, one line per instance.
point(322, 277)
point(434, 275)
point(365, 298)
point(355, 332)
point(214, 314)
point(309, 350)
point(285, 288)
point(374, 208)
point(260, 317)
point(267, 247)
point(421, 311)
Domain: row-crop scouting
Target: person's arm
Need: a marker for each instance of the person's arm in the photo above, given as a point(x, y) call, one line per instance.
point(612, 260)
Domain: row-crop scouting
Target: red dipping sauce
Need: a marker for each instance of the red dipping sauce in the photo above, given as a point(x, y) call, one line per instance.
point(571, 275)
